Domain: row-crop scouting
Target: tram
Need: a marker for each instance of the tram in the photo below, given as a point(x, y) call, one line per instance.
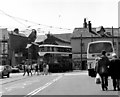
point(58, 57)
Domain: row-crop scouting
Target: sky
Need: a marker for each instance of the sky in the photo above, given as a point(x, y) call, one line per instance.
point(57, 16)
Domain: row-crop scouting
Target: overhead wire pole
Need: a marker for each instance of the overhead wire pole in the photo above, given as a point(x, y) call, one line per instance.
point(113, 36)
point(81, 50)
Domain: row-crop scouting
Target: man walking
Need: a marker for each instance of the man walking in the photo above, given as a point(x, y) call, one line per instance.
point(102, 70)
point(25, 69)
point(29, 69)
point(115, 72)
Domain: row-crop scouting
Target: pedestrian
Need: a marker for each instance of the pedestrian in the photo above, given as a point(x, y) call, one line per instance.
point(29, 69)
point(102, 70)
point(47, 69)
point(25, 68)
point(41, 68)
point(36, 69)
point(44, 68)
point(114, 69)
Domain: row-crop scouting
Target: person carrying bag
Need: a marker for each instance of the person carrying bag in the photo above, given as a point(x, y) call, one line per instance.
point(98, 79)
point(102, 70)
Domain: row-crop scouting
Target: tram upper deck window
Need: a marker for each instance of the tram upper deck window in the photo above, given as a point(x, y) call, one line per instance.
point(48, 48)
point(41, 49)
point(52, 49)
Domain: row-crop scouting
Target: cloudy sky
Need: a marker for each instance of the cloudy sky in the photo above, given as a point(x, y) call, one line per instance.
point(57, 16)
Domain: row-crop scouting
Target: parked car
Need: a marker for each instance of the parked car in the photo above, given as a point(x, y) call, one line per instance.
point(5, 71)
point(15, 70)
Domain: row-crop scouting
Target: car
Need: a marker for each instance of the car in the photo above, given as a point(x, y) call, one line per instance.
point(15, 70)
point(5, 71)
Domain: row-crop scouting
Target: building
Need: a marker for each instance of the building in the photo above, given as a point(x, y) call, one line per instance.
point(82, 36)
point(17, 46)
point(3, 46)
point(119, 14)
point(13, 46)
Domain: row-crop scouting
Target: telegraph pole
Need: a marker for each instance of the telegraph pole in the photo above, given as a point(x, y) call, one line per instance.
point(81, 50)
point(112, 36)
point(3, 52)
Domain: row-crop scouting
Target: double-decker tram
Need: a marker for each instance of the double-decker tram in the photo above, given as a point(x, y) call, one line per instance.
point(59, 58)
point(94, 50)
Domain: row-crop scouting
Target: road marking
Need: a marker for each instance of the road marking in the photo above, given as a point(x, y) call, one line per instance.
point(43, 87)
point(69, 74)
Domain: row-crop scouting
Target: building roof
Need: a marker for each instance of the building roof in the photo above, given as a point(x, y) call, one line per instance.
point(54, 39)
point(85, 32)
point(40, 38)
point(64, 36)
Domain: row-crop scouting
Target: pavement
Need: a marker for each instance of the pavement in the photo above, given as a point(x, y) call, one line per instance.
point(13, 77)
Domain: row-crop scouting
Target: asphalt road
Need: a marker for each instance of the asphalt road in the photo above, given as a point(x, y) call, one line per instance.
point(71, 83)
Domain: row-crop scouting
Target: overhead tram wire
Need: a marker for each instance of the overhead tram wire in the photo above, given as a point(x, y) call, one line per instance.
point(14, 18)
point(37, 24)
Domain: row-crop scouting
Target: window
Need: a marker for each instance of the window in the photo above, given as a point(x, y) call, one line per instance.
point(98, 47)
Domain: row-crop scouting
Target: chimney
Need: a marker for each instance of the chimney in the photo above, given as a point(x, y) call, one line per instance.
point(89, 26)
point(85, 23)
point(16, 30)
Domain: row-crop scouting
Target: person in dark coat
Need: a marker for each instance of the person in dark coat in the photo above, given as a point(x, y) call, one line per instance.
point(25, 69)
point(102, 70)
point(37, 69)
point(115, 71)
point(29, 69)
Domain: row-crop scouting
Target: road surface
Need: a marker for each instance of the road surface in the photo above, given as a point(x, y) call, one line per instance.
point(70, 83)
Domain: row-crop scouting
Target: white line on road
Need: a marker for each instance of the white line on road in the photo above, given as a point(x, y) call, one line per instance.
point(43, 87)
point(69, 74)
